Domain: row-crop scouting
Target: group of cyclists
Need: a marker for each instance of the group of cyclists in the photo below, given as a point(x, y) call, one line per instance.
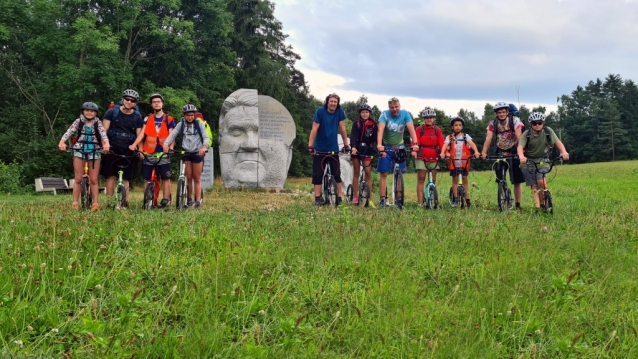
point(428, 145)
point(110, 144)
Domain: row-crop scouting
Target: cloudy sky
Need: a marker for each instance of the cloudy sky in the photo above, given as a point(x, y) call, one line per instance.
point(454, 54)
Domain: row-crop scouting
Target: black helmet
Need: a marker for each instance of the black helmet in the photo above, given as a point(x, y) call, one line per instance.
point(365, 107)
point(400, 155)
point(455, 119)
point(131, 93)
point(156, 95)
point(189, 108)
point(89, 106)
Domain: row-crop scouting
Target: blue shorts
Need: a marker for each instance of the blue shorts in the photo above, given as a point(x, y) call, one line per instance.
point(386, 164)
point(453, 173)
point(193, 157)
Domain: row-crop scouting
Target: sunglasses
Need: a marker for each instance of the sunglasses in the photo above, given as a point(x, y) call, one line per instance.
point(536, 123)
point(131, 100)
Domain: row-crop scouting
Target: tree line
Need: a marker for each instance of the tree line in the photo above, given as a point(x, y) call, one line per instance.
point(55, 55)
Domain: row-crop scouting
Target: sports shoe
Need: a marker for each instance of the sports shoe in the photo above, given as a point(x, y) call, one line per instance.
point(95, 207)
point(75, 206)
point(468, 205)
point(189, 202)
point(319, 201)
point(164, 203)
point(355, 200)
point(198, 204)
point(338, 201)
point(455, 202)
point(382, 202)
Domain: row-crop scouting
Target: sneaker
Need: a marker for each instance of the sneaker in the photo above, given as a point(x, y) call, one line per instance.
point(95, 207)
point(75, 206)
point(319, 201)
point(198, 204)
point(468, 205)
point(164, 203)
point(382, 202)
point(338, 201)
point(355, 200)
point(189, 202)
point(455, 202)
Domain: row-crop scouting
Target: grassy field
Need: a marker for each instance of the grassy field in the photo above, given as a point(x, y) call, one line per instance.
point(265, 275)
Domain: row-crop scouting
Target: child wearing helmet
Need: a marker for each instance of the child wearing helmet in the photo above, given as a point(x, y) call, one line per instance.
point(363, 136)
point(195, 144)
point(457, 149)
point(430, 140)
point(535, 143)
point(157, 127)
point(91, 137)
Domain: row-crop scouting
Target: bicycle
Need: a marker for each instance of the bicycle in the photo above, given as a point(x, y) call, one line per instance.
point(460, 188)
point(504, 194)
point(182, 188)
point(86, 198)
point(398, 189)
point(364, 191)
point(546, 164)
point(151, 193)
point(120, 195)
point(328, 183)
point(431, 194)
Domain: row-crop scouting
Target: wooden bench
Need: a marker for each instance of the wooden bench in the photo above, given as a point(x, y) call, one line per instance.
point(51, 184)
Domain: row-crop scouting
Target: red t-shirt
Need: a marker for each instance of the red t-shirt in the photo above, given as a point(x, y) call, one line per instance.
point(430, 140)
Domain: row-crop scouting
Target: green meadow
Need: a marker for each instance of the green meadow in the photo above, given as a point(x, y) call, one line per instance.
point(268, 275)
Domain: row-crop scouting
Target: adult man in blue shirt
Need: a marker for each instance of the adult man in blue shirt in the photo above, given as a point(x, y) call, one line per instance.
point(326, 126)
point(392, 124)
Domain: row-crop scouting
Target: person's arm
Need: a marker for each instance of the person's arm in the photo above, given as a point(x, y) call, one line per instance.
point(169, 143)
point(106, 121)
point(138, 141)
point(140, 147)
point(106, 145)
point(413, 139)
point(563, 151)
point(380, 148)
point(72, 129)
point(202, 130)
point(344, 134)
point(354, 135)
point(313, 135)
point(486, 144)
point(521, 153)
point(474, 148)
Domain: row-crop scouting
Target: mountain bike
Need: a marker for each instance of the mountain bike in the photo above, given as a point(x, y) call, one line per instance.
point(182, 184)
point(504, 194)
point(460, 188)
point(543, 167)
point(328, 183)
point(398, 189)
point(151, 193)
point(120, 195)
point(86, 198)
point(364, 191)
point(430, 195)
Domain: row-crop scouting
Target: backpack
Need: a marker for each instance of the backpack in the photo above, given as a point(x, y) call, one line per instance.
point(367, 130)
point(208, 130)
point(80, 131)
point(510, 119)
point(137, 116)
point(548, 139)
point(197, 130)
point(422, 128)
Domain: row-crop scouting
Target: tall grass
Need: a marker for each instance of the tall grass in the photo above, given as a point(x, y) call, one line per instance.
point(256, 274)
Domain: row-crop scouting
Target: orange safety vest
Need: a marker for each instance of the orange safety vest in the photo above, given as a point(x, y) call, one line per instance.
point(150, 132)
point(451, 152)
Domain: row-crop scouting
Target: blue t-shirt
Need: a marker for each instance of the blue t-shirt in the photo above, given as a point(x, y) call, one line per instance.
point(327, 139)
point(394, 126)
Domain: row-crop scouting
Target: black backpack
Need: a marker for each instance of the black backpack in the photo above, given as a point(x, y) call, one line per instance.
point(548, 139)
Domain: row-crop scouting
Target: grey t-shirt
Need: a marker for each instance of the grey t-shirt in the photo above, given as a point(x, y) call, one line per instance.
point(191, 141)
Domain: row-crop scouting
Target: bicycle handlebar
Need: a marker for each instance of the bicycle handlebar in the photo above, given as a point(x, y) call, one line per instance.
point(500, 157)
point(542, 169)
point(83, 151)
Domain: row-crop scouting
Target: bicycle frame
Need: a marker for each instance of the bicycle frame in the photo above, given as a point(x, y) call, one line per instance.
point(505, 201)
point(328, 184)
point(430, 200)
point(460, 188)
point(362, 178)
point(154, 179)
point(396, 172)
point(87, 200)
point(534, 168)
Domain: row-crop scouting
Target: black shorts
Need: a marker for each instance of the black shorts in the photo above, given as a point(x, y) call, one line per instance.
point(111, 163)
point(163, 171)
point(193, 157)
point(319, 163)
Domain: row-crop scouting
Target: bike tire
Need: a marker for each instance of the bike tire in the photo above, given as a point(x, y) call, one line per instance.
point(181, 194)
point(149, 195)
point(451, 197)
point(432, 199)
point(349, 194)
point(398, 190)
point(501, 198)
point(549, 205)
point(86, 194)
point(364, 195)
point(461, 192)
point(120, 197)
point(510, 202)
point(332, 192)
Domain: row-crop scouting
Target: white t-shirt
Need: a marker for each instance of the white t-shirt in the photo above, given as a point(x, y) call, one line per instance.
point(458, 148)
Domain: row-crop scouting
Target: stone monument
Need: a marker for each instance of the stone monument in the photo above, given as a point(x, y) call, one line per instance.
point(256, 135)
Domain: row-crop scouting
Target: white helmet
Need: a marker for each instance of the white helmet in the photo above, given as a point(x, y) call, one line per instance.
point(428, 112)
point(536, 116)
point(500, 105)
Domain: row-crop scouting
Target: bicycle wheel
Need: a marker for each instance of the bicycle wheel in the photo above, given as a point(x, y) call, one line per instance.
point(451, 198)
point(502, 197)
point(332, 192)
point(149, 194)
point(461, 191)
point(398, 189)
point(86, 194)
point(433, 201)
point(120, 197)
point(549, 205)
point(364, 194)
point(349, 194)
point(181, 194)
point(510, 202)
